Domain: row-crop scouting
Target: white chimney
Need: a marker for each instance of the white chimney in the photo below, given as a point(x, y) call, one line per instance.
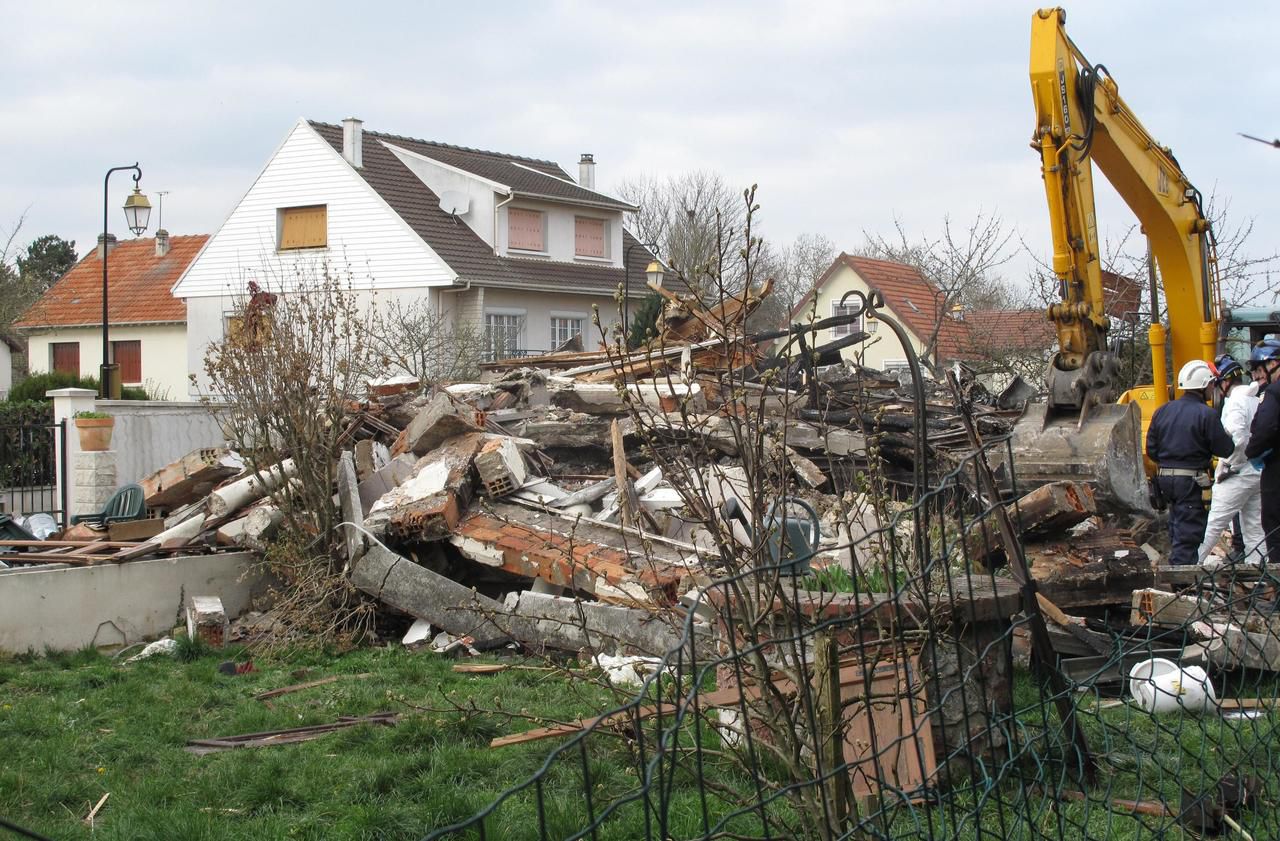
point(353, 141)
point(587, 171)
point(110, 243)
point(162, 242)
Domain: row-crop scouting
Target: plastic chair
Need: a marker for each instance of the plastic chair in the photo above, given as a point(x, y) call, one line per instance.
point(127, 503)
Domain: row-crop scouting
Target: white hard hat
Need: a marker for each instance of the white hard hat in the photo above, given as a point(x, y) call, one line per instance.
point(1195, 375)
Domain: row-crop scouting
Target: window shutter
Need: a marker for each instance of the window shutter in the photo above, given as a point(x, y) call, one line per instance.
point(304, 227)
point(524, 229)
point(128, 355)
point(588, 237)
point(66, 357)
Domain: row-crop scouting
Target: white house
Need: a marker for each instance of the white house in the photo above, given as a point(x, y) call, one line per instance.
point(9, 349)
point(507, 244)
point(146, 324)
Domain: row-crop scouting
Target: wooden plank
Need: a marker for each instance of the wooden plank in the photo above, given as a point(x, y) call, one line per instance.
point(298, 687)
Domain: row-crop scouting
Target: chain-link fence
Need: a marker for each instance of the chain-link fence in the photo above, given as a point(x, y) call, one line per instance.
point(909, 681)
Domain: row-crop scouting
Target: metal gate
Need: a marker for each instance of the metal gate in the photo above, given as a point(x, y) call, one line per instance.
point(33, 469)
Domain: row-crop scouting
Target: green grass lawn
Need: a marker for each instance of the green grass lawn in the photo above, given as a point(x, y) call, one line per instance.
point(75, 726)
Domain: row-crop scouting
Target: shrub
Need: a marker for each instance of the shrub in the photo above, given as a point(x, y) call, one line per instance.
point(88, 415)
point(35, 386)
point(26, 449)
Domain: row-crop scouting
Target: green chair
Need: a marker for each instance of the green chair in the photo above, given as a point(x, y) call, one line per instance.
point(127, 503)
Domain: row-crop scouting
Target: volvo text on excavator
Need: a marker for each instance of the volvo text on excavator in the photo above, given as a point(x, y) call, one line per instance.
point(1087, 429)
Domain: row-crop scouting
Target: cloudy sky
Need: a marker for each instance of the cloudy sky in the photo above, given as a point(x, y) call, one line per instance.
point(847, 115)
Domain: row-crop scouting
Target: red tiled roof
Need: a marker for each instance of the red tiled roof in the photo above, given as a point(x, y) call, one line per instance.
point(138, 293)
point(908, 295)
point(994, 331)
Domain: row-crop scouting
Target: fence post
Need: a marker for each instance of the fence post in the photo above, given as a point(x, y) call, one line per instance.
point(830, 739)
point(66, 402)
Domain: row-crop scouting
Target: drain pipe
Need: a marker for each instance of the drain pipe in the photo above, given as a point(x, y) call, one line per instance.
point(510, 197)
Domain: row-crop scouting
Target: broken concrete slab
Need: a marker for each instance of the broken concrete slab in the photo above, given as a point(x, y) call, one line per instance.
point(429, 505)
point(260, 524)
point(580, 554)
point(832, 440)
point(386, 478)
point(428, 595)
point(577, 625)
point(349, 503)
point(190, 478)
point(441, 419)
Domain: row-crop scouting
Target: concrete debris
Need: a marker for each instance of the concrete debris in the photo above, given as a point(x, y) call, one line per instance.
point(164, 646)
point(207, 621)
point(572, 501)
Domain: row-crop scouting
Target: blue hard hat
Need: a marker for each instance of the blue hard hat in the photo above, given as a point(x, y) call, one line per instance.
point(1227, 367)
point(1264, 351)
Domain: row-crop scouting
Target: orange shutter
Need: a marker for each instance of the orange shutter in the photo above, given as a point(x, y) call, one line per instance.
point(524, 230)
point(588, 237)
point(304, 227)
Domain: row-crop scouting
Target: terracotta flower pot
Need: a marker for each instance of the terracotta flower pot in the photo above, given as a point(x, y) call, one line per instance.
point(95, 433)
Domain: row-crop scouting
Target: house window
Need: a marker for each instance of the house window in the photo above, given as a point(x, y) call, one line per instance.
point(65, 357)
point(502, 334)
point(233, 329)
point(845, 329)
point(563, 329)
point(128, 355)
point(589, 237)
point(524, 230)
point(303, 227)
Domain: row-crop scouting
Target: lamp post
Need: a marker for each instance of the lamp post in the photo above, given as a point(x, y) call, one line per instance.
point(653, 272)
point(137, 213)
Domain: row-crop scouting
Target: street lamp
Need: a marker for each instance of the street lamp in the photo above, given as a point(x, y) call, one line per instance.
point(137, 214)
point(653, 272)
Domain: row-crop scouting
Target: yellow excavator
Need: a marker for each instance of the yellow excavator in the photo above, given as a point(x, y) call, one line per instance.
point(1087, 429)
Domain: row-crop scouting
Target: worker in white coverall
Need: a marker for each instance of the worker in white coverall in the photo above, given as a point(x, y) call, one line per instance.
point(1237, 483)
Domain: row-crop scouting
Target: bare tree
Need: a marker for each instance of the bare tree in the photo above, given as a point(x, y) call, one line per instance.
point(695, 218)
point(804, 261)
point(415, 339)
point(286, 372)
point(961, 264)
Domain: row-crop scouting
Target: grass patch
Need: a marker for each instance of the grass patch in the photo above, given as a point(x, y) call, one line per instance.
point(76, 725)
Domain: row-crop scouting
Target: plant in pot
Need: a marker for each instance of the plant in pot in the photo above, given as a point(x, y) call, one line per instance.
point(95, 430)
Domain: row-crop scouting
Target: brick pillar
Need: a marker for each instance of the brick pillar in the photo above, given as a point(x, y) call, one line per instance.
point(93, 481)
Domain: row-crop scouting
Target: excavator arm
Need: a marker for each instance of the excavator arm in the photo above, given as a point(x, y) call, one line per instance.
point(1087, 430)
point(1081, 120)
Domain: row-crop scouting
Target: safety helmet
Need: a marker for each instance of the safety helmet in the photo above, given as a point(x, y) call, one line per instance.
point(1195, 375)
point(1264, 351)
point(1227, 367)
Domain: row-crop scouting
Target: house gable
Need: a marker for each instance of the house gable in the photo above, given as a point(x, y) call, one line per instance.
point(367, 242)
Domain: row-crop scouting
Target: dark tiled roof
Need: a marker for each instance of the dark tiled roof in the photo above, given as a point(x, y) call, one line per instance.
point(455, 242)
point(139, 286)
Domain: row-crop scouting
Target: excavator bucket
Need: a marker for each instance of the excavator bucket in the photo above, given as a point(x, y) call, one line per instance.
point(1106, 451)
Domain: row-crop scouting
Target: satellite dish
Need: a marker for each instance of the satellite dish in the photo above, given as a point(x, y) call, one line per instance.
point(454, 203)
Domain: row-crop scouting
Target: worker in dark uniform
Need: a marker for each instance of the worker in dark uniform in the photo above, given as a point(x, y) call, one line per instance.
point(1264, 439)
point(1183, 437)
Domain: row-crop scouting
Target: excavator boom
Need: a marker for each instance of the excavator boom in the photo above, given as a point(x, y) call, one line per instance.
point(1087, 427)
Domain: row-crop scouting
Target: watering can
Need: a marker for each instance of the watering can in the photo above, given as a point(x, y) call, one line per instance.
point(792, 542)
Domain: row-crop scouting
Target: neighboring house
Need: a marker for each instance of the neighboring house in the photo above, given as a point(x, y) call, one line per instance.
point(508, 246)
point(146, 323)
point(995, 343)
point(11, 351)
point(908, 297)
